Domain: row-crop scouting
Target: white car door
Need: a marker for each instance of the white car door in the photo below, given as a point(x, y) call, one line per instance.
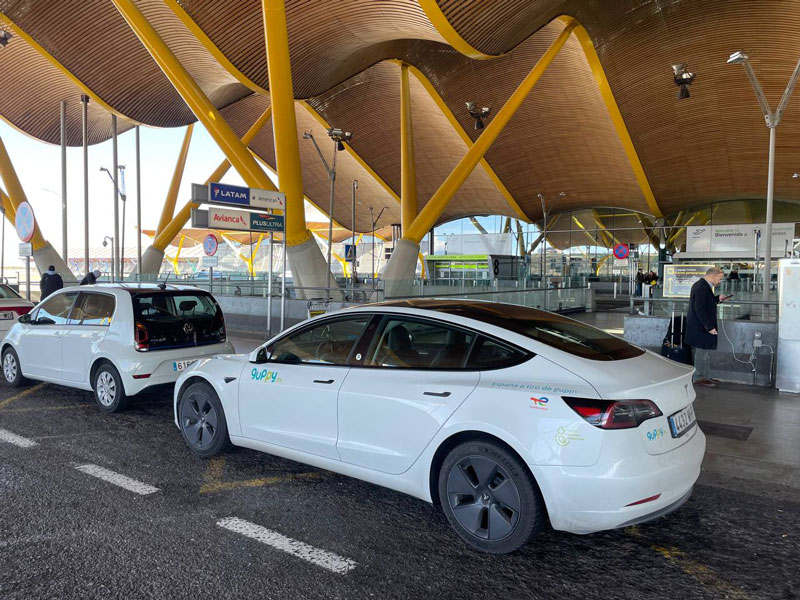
point(411, 382)
point(86, 328)
point(39, 345)
point(290, 400)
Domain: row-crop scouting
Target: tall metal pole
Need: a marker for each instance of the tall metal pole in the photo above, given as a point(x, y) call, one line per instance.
point(85, 132)
point(768, 233)
point(123, 194)
point(138, 203)
point(114, 168)
point(269, 285)
point(332, 174)
point(353, 227)
point(3, 247)
point(372, 273)
point(283, 273)
point(64, 247)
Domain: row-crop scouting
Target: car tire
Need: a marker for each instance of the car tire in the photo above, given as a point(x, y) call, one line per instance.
point(109, 393)
point(490, 497)
point(202, 420)
point(12, 372)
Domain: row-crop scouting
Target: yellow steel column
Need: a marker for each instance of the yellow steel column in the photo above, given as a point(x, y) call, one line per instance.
point(433, 209)
point(16, 195)
point(175, 184)
point(163, 239)
point(284, 122)
point(8, 208)
point(408, 169)
point(194, 97)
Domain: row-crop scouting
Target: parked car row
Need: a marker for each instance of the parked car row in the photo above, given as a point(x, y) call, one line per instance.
point(505, 416)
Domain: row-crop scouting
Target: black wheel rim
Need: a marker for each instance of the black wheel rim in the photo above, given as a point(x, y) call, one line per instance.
point(199, 420)
point(484, 499)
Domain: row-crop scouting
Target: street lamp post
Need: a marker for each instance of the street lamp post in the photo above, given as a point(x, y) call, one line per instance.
point(354, 276)
point(106, 240)
point(772, 119)
point(123, 197)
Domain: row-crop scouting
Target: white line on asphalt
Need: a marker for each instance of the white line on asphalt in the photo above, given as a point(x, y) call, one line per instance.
point(17, 440)
point(117, 479)
point(322, 558)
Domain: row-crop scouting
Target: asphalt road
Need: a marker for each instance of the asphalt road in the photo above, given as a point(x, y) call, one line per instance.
point(248, 525)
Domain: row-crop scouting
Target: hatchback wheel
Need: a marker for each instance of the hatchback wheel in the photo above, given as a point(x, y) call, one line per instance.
point(202, 420)
point(489, 497)
point(108, 390)
point(12, 373)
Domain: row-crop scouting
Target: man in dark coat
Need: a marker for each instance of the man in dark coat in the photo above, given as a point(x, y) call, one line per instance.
point(701, 323)
point(91, 278)
point(51, 281)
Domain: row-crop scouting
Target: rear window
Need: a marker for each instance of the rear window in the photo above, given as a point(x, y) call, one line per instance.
point(6, 292)
point(178, 319)
point(568, 335)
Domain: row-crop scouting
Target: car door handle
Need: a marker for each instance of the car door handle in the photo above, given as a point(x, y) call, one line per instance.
point(323, 381)
point(437, 394)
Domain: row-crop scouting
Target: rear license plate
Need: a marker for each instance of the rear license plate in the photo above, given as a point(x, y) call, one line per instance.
point(180, 365)
point(682, 421)
point(7, 314)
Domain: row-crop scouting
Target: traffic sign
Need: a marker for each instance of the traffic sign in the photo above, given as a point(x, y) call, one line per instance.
point(349, 252)
point(621, 251)
point(208, 261)
point(210, 244)
point(25, 222)
point(25, 250)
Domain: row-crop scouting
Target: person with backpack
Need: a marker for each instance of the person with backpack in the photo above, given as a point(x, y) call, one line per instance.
point(50, 282)
point(91, 277)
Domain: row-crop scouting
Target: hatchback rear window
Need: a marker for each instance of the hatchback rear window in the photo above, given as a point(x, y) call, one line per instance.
point(176, 319)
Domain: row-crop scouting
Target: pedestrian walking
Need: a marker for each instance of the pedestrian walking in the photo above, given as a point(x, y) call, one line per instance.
point(51, 281)
point(701, 323)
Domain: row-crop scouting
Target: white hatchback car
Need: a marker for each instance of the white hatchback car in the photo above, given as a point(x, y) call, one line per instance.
point(114, 339)
point(502, 414)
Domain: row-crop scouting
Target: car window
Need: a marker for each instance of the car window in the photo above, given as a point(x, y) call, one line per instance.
point(93, 309)
point(55, 311)
point(490, 354)
point(177, 319)
point(7, 292)
point(328, 343)
point(414, 344)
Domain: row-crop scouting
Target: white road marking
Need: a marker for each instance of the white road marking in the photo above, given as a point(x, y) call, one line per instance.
point(17, 440)
point(322, 558)
point(117, 479)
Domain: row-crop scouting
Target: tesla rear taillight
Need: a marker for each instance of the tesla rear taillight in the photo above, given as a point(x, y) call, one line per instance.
point(20, 310)
point(141, 338)
point(614, 414)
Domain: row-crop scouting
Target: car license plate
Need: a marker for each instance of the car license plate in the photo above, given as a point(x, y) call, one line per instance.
point(180, 365)
point(682, 421)
point(7, 314)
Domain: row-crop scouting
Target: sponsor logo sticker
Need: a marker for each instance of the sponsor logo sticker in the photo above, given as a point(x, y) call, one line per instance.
point(265, 376)
point(540, 403)
point(564, 436)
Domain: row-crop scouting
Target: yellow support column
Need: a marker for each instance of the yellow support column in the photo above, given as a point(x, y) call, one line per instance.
point(175, 184)
point(284, 123)
point(198, 102)
point(8, 208)
point(163, 239)
point(408, 168)
point(16, 195)
point(435, 207)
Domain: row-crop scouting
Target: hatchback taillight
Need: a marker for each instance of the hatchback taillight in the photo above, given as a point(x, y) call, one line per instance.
point(614, 414)
point(141, 338)
point(20, 310)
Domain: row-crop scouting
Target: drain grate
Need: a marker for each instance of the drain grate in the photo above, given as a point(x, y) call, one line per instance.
point(733, 432)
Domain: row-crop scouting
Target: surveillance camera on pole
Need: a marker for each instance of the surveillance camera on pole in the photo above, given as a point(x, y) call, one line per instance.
point(683, 79)
point(5, 36)
point(479, 114)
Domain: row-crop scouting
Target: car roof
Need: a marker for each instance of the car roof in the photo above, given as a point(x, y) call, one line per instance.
point(138, 287)
point(480, 310)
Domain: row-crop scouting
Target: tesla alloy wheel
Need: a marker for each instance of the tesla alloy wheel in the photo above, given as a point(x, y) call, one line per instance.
point(202, 420)
point(490, 497)
point(12, 374)
point(108, 391)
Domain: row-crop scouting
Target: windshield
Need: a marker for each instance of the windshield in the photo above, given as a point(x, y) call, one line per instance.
point(554, 330)
point(176, 319)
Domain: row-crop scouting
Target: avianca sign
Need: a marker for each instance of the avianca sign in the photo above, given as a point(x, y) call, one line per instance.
point(222, 218)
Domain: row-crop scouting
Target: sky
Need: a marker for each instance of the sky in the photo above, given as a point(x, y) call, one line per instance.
point(38, 166)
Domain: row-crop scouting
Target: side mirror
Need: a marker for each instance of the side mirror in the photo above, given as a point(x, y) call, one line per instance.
point(26, 318)
point(259, 355)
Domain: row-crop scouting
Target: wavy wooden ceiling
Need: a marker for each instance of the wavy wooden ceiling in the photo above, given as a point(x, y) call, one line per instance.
point(710, 147)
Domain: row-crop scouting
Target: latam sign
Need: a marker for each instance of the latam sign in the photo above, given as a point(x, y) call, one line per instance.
point(233, 194)
point(238, 220)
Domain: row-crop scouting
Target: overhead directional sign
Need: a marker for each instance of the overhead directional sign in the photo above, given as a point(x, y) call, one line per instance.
point(222, 193)
point(239, 220)
point(25, 222)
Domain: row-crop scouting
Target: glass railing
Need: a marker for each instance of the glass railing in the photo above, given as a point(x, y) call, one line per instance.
point(733, 309)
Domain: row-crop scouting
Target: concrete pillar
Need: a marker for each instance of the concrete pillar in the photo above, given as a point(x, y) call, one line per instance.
point(398, 276)
point(46, 256)
point(150, 265)
point(310, 270)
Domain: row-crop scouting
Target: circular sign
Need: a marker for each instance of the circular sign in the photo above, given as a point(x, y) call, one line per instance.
point(25, 222)
point(210, 244)
point(621, 251)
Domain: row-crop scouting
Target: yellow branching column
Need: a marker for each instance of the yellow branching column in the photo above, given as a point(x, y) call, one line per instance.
point(309, 267)
point(408, 170)
point(44, 254)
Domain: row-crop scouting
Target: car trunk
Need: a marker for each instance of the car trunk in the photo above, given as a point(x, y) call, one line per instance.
point(166, 320)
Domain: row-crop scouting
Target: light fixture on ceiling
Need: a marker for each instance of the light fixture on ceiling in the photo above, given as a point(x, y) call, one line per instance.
point(683, 79)
point(479, 114)
point(339, 136)
point(5, 36)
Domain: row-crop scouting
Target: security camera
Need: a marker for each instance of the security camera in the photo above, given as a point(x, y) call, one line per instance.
point(478, 113)
point(339, 136)
point(683, 79)
point(105, 243)
point(307, 135)
point(738, 57)
point(5, 36)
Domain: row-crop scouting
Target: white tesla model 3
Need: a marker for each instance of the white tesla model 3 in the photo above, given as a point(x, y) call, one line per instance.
point(504, 415)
